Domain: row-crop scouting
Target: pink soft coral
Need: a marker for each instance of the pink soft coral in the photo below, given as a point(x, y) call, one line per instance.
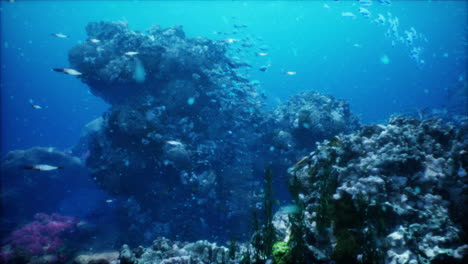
point(42, 236)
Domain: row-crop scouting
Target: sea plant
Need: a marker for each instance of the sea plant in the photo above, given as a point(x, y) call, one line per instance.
point(264, 234)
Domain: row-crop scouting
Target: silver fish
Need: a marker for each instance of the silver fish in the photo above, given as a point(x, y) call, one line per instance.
point(42, 167)
point(68, 71)
point(131, 53)
point(59, 35)
point(174, 143)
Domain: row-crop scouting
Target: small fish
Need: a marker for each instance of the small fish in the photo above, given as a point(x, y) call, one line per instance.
point(247, 45)
point(384, 59)
point(240, 26)
point(385, 2)
point(290, 209)
point(364, 12)
point(109, 201)
point(261, 54)
point(174, 143)
point(68, 71)
point(42, 167)
point(35, 106)
point(131, 53)
point(357, 45)
point(365, 2)
point(93, 40)
point(190, 101)
point(263, 68)
point(59, 35)
point(290, 73)
point(264, 47)
point(231, 40)
point(348, 14)
point(326, 6)
point(380, 19)
point(301, 161)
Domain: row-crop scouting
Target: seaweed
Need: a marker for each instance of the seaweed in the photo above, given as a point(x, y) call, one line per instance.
point(282, 253)
point(269, 231)
point(264, 236)
point(347, 247)
point(327, 184)
point(232, 248)
point(297, 252)
point(296, 241)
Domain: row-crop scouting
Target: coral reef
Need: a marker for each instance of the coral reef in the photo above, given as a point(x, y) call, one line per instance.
point(311, 117)
point(165, 251)
point(181, 145)
point(176, 67)
point(42, 238)
point(188, 134)
point(97, 258)
point(184, 141)
point(180, 137)
point(394, 193)
point(295, 126)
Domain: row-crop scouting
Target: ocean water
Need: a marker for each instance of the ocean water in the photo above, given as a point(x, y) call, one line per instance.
point(413, 63)
point(303, 36)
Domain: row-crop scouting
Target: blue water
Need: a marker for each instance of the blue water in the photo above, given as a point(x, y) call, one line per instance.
point(303, 36)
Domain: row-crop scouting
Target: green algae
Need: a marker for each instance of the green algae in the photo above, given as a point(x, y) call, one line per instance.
point(281, 253)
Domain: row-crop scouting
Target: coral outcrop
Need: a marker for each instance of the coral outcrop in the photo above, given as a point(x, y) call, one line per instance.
point(186, 133)
point(165, 251)
point(395, 194)
point(180, 137)
point(311, 117)
point(110, 257)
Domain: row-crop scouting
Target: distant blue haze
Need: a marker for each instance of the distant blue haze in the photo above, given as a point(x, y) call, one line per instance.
point(303, 36)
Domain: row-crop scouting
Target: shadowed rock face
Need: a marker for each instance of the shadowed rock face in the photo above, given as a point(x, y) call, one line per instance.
point(310, 117)
point(180, 140)
point(185, 135)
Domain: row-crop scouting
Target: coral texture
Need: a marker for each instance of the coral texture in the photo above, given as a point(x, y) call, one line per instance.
point(186, 133)
point(165, 251)
point(44, 236)
point(396, 193)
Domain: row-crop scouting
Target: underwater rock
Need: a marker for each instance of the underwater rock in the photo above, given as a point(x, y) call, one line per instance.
point(295, 126)
point(180, 140)
point(311, 117)
point(384, 194)
point(164, 54)
point(165, 251)
point(81, 148)
point(97, 258)
point(281, 225)
point(189, 135)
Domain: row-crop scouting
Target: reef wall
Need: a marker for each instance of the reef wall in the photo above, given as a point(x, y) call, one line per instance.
point(388, 194)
